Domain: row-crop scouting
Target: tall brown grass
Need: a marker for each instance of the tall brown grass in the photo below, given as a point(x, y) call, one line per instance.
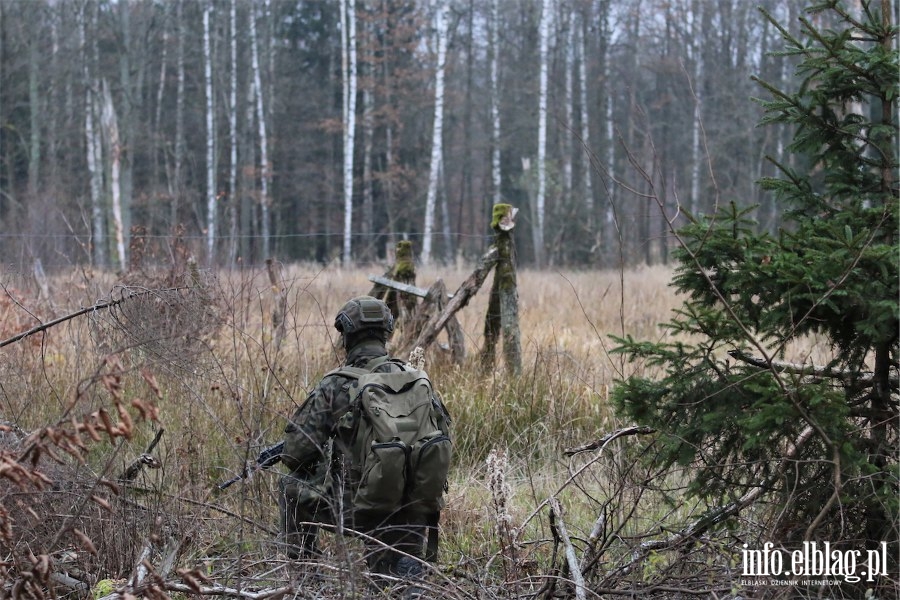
point(222, 390)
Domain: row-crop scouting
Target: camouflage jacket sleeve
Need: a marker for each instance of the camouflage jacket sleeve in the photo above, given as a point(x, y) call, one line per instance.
point(312, 425)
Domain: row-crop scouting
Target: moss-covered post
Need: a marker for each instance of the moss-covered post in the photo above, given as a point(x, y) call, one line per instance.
point(503, 305)
point(404, 271)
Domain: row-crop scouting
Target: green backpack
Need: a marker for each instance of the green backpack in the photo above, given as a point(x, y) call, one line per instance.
point(401, 447)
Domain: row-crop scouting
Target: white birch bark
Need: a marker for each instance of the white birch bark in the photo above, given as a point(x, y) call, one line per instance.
point(569, 128)
point(610, 132)
point(437, 134)
point(698, 110)
point(210, 139)
point(263, 140)
point(348, 22)
point(588, 188)
point(540, 200)
point(111, 130)
point(232, 135)
point(495, 101)
point(160, 91)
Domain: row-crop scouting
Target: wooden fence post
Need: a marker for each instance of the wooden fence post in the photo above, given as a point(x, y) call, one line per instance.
point(503, 305)
point(402, 306)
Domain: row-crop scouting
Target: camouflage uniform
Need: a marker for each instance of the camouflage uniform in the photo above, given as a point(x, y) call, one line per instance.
point(317, 440)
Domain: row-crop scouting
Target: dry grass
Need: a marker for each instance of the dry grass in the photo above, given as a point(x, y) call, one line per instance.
point(222, 390)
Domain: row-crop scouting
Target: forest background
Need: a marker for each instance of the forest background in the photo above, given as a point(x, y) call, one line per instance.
point(233, 125)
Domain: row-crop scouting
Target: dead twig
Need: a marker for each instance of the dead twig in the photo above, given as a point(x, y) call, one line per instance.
point(606, 439)
point(103, 304)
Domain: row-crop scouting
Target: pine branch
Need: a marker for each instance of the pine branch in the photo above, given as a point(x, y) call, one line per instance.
point(864, 377)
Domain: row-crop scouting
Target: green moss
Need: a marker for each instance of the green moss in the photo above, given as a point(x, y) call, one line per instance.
point(500, 211)
point(405, 267)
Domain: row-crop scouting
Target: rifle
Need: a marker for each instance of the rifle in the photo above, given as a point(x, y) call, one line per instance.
point(269, 457)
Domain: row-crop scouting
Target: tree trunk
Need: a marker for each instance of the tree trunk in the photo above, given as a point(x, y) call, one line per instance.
point(34, 105)
point(587, 167)
point(368, 204)
point(176, 186)
point(210, 139)
point(540, 200)
point(158, 147)
point(233, 200)
point(348, 22)
point(495, 101)
point(92, 142)
point(263, 140)
point(437, 132)
point(111, 131)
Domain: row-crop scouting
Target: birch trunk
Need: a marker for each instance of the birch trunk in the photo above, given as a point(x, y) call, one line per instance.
point(263, 141)
point(210, 140)
point(540, 200)
point(610, 221)
point(232, 134)
point(568, 142)
point(348, 22)
point(111, 131)
point(160, 94)
point(588, 188)
point(92, 145)
point(437, 134)
point(696, 157)
point(495, 101)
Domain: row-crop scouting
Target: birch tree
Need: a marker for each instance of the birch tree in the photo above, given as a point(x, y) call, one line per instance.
point(540, 200)
point(93, 148)
point(697, 55)
point(348, 64)
point(495, 101)
point(232, 136)
point(263, 139)
point(437, 132)
point(588, 188)
point(210, 138)
point(110, 126)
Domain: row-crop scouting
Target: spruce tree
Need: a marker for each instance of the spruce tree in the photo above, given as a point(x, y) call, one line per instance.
point(813, 441)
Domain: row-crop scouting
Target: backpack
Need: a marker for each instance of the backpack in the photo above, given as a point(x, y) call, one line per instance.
point(401, 446)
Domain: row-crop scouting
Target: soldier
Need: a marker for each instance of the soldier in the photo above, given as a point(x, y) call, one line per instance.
point(318, 441)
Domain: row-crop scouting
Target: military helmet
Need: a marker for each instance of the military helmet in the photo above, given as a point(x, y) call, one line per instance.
point(364, 312)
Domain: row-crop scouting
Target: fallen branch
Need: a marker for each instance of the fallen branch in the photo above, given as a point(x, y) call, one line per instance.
point(221, 590)
point(104, 304)
point(606, 439)
point(559, 527)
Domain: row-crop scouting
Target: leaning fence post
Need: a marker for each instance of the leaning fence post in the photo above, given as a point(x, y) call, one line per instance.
point(503, 305)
